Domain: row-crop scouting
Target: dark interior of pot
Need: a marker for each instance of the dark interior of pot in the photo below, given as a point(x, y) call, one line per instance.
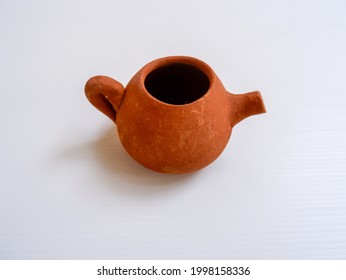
point(177, 83)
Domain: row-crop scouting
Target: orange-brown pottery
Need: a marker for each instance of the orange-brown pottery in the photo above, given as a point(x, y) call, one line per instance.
point(174, 116)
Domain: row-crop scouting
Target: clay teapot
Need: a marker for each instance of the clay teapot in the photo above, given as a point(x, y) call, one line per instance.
point(174, 116)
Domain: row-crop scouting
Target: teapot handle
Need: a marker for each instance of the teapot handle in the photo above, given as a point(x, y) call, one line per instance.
point(106, 94)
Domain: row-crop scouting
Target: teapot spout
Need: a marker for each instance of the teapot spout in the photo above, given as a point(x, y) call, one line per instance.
point(246, 105)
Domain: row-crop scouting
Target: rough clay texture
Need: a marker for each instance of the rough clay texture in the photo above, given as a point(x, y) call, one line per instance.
point(172, 138)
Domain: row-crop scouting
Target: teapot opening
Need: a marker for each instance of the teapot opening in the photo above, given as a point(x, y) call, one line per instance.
point(177, 83)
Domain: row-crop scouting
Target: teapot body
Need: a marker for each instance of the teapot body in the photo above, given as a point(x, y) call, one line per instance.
point(174, 116)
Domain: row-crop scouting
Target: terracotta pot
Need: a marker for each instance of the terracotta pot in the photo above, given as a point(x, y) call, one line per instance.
point(174, 116)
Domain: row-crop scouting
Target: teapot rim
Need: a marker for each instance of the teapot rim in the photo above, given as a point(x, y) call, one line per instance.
point(170, 60)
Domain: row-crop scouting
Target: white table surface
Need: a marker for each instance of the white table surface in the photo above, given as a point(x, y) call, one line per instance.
point(70, 191)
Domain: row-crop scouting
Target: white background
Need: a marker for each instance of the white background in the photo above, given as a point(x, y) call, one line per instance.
point(70, 191)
